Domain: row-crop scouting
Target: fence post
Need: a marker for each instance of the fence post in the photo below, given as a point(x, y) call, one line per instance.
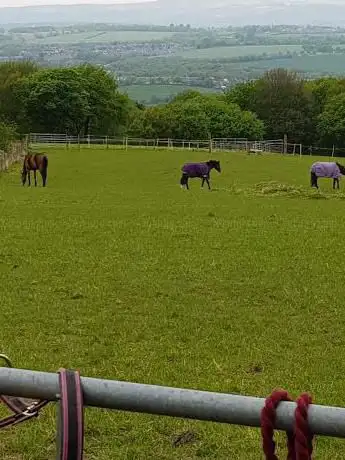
point(285, 143)
point(88, 140)
point(333, 151)
point(300, 150)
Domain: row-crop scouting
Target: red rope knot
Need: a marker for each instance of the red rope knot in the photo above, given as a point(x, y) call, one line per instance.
point(303, 435)
point(268, 419)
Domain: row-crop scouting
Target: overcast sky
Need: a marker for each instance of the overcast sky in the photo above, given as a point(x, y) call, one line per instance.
point(14, 3)
point(4, 3)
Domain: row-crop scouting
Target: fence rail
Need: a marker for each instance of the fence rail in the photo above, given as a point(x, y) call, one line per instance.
point(279, 146)
point(217, 144)
point(174, 402)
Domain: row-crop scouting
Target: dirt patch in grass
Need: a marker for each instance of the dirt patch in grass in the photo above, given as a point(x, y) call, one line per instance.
point(277, 189)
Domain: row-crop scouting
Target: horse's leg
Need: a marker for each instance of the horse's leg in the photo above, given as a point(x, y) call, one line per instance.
point(313, 180)
point(202, 182)
point(208, 183)
point(187, 186)
point(44, 176)
point(183, 180)
point(29, 178)
point(35, 177)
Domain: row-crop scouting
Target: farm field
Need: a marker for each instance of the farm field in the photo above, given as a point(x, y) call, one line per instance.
point(237, 51)
point(322, 64)
point(114, 270)
point(146, 92)
point(103, 37)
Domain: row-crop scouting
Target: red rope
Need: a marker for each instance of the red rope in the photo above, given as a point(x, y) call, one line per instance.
point(303, 435)
point(300, 442)
point(268, 419)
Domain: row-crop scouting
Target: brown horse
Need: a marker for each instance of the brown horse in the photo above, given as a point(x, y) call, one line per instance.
point(34, 162)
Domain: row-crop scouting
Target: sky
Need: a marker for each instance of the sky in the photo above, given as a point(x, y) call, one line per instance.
point(14, 3)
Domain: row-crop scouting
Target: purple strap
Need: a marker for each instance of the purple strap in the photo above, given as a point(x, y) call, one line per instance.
point(70, 416)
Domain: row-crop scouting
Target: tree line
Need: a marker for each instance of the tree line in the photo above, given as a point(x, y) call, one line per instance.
point(86, 99)
point(310, 112)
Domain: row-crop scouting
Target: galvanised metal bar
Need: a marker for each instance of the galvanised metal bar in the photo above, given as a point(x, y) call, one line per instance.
point(175, 402)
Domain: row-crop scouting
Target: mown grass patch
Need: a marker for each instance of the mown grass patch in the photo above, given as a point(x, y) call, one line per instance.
point(114, 270)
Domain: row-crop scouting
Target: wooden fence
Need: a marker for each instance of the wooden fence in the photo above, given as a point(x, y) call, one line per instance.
point(14, 155)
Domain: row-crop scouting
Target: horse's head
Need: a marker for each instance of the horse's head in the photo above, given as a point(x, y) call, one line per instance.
point(341, 168)
point(23, 176)
point(214, 164)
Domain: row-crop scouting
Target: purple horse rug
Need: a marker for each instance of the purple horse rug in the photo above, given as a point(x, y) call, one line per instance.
point(196, 169)
point(325, 169)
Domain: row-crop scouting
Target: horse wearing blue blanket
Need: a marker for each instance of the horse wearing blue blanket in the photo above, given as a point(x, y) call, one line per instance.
point(200, 170)
point(332, 170)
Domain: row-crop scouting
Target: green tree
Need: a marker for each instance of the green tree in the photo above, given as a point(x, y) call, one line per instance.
point(54, 101)
point(76, 100)
point(322, 90)
point(197, 117)
point(285, 105)
point(331, 124)
point(10, 74)
point(281, 100)
point(243, 94)
point(108, 108)
point(8, 134)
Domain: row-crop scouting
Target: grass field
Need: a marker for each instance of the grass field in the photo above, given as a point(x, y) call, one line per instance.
point(146, 92)
point(322, 63)
point(317, 65)
point(103, 37)
point(114, 270)
point(236, 51)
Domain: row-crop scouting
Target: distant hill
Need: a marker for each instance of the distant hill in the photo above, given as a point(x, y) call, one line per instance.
point(194, 12)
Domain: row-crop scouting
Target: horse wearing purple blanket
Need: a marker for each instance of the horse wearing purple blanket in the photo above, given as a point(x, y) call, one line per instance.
point(326, 169)
point(201, 170)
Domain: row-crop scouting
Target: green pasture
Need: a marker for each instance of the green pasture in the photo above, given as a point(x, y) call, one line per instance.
point(237, 51)
point(103, 37)
point(320, 64)
point(116, 271)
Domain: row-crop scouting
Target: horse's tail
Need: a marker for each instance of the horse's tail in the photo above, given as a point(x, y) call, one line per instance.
point(45, 162)
point(44, 169)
